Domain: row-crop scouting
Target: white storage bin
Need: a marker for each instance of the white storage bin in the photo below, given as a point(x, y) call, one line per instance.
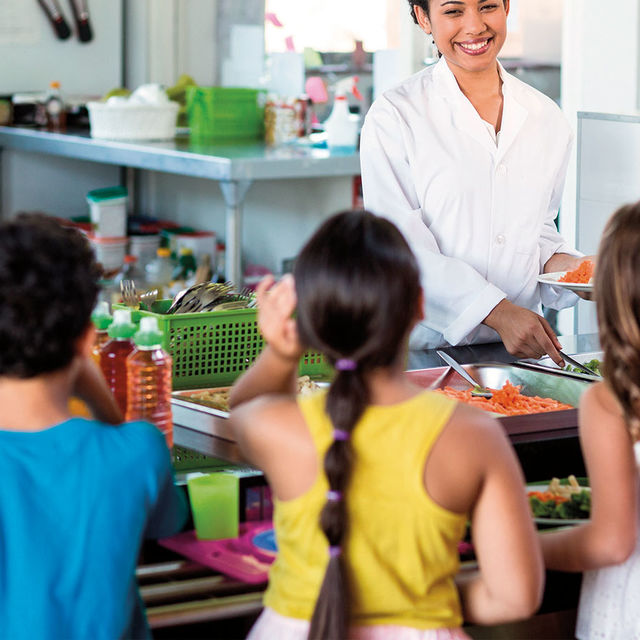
point(130, 121)
point(110, 252)
point(144, 248)
point(108, 212)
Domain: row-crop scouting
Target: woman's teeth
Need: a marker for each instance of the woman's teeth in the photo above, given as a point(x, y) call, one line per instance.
point(474, 46)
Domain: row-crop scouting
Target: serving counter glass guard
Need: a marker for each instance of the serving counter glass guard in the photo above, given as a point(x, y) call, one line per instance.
point(234, 166)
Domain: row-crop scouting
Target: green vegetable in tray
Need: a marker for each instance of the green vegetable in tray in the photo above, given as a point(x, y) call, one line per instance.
point(576, 507)
point(594, 365)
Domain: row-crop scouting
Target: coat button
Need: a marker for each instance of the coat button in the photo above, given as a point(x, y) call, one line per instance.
point(500, 239)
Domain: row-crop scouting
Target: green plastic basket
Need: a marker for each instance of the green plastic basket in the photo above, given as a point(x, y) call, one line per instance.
point(225, 113)
point(212, 348)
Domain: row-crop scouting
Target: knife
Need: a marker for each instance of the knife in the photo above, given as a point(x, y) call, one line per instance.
point(81, 16)
point(53, 12)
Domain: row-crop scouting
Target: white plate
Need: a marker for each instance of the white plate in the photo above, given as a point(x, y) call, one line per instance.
point(554, 521)
point(552, 279)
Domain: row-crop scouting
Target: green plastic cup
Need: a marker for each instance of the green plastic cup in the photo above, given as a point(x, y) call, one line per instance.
point(214, 504)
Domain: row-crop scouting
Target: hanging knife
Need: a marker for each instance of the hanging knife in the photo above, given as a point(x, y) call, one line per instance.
point(53, 12)
point(81, 16)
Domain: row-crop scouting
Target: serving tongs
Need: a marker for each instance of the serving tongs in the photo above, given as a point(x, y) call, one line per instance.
point(578, 365)
point(478, 390)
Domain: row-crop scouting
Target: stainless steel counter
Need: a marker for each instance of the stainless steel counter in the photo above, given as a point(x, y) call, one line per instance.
point(235, 166)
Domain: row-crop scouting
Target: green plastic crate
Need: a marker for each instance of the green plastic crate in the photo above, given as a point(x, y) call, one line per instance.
point(225, 113)
point(212, 348)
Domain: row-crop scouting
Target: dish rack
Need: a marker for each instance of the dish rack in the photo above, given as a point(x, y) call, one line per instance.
point(133, 121)
point(212, 348)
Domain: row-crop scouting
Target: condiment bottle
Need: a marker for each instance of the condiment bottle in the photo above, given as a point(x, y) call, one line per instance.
point(113, 355)
point(149, 380)
point(101, 319)
point(160, 271)
point(55, 109)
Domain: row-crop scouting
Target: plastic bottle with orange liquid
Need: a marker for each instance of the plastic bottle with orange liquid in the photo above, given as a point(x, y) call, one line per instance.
point(102, 320)
point(149, 380)
point(113, 355)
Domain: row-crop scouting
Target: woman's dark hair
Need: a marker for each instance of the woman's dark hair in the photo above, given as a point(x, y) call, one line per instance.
point(48, 287)
point(617, 292)
point(358, 289)
point(424, 5)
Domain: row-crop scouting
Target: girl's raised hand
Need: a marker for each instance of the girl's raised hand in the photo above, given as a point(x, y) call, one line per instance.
point(276, 304)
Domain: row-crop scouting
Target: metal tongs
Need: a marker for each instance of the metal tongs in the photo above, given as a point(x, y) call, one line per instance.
point(478, 390)
point(578, 365)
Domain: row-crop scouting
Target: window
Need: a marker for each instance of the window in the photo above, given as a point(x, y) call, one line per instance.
point(333, 25)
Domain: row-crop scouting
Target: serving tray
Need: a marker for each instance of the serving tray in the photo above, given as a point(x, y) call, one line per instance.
point(544, 383)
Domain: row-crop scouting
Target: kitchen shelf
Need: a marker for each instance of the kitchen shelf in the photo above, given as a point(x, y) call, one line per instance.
point(234, 166)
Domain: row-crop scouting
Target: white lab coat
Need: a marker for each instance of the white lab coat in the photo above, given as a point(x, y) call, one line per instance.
point(479, 217)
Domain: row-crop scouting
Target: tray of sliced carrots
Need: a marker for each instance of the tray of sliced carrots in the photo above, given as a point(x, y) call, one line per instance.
point(507, 400)
point(526, 401)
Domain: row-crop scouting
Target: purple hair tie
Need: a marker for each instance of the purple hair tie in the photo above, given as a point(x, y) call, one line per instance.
point(345, 364)
point(334, 552)
point(341, 435)
point(334, 496)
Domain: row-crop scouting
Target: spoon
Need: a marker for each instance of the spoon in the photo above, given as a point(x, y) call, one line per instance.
point(478, 390)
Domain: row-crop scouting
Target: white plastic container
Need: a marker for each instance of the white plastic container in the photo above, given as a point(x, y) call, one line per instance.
point(110, 252)
point(132, 121)
point(144, 248)
point(200, 242)
point(108, 212)
point(341, 126)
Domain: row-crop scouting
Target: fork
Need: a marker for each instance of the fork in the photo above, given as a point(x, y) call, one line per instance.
point(129, 294)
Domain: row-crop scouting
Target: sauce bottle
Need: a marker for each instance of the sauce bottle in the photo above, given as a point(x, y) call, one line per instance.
point(55, 108)
point(101, 319)
point(114, 352)
point(149, 380)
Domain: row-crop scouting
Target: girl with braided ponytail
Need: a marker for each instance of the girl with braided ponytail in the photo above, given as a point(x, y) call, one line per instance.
point(607, 548)
point(374, 479)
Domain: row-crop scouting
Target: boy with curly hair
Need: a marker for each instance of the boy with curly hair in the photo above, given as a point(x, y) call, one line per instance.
point(77, 496)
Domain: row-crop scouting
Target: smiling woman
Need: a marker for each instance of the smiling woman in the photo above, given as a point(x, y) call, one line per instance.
point(470, 163)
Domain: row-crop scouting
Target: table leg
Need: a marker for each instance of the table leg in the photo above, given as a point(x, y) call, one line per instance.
point(234, 192)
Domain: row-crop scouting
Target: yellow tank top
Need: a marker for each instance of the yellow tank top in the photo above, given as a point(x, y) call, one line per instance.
point(401, 547)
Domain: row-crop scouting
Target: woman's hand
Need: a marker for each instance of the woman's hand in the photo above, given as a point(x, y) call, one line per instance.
point(524, 333)
point(276, 304)
point(566, 262)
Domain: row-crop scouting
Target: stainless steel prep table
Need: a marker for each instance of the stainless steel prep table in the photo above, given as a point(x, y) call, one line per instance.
point(233, 166)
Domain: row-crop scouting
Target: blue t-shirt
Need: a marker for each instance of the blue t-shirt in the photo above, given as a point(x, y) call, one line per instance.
point(76, 501)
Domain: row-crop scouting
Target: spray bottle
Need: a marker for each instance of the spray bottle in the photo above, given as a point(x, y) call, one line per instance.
point(341, 126)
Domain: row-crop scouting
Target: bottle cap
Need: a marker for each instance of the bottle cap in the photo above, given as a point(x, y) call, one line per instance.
point(100, 316)
point(122, 327)
point(148, 335)
point(185, 251)
point(163, 252)
point(54, 85)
